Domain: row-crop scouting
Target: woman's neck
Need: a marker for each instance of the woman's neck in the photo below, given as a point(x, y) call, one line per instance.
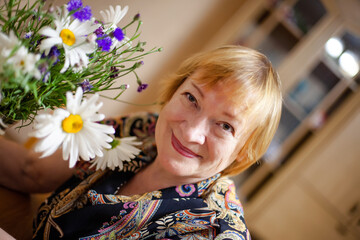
point(149, 179)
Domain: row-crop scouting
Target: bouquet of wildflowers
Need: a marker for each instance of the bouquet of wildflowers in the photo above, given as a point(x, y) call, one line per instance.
point(47, 54)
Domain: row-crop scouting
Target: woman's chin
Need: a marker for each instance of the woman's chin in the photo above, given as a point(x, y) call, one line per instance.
point(179, 166)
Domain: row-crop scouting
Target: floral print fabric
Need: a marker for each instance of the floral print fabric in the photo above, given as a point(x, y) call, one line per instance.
point(87, 206)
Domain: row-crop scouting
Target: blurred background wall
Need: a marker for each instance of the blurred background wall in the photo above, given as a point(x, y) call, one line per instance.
point(307, 185)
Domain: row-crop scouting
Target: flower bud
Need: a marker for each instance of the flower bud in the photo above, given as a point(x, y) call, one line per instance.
point(124, 86)
point(137, 17)
point(138, 64)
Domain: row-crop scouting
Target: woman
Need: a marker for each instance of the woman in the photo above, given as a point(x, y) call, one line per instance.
point(219, 114)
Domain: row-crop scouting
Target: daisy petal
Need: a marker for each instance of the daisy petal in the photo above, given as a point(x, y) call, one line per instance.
point(80, 135)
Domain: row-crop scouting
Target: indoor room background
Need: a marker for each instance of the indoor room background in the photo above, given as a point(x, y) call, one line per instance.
point(307, 184)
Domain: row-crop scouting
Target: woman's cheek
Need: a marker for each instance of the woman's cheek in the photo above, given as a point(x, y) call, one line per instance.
point(178, 111)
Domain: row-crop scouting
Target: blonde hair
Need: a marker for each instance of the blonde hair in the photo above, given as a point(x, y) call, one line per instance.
point(257, 85)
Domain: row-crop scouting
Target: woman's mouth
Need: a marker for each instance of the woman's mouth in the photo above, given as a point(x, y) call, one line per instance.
point(181, 148)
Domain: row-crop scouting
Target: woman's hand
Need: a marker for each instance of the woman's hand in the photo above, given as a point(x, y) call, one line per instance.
point(23, 170)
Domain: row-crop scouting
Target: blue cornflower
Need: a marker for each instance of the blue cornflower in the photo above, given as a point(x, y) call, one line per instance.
point(142, 87)
point(104, 42)
point(86, 85)
point(74, 5)
point(84, 14)
point(54, 54)
point(119, 34)
point(81, 13)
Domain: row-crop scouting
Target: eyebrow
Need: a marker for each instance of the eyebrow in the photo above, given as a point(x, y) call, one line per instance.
point(197, 88)
point(230, 115)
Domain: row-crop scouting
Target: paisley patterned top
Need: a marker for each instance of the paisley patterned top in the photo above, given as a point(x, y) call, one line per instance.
point(87, 207)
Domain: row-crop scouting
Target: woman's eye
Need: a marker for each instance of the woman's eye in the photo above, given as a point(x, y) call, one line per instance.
point(227, 127)
point(191, 98)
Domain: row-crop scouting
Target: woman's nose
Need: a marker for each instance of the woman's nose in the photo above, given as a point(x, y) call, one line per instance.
point(195, 130)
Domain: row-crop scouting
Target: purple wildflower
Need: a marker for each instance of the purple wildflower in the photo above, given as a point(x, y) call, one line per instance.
point(124, 86)
point(114, 72)
point(43, 67)
point(104, 42)
point(35, 15)
point(142, 87)
point(28, 35)
point(137, 17)
point(138, 64)
point(119, 34)
point(74, 5)
point(84, 14)
point(86, 86)
point(99, 31)
point(54, 54)
point(46, 77)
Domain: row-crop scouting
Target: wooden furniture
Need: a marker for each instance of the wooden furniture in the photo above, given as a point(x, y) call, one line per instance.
point(306, 186)
point(316, 196)
point(17, 212)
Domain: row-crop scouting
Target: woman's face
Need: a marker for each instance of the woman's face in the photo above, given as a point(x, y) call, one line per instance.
point(199, 131)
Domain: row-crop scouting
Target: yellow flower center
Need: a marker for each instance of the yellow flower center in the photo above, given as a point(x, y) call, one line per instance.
point(68, 37)
point(72, 124)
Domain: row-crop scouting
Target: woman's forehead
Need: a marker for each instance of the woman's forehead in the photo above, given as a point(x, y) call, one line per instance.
point(234, 90)
point(228, 92)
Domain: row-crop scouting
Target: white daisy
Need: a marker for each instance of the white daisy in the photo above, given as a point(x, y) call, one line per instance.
point(72, 35)
point(122, 150)
point(8, 43)
point(111, 18)
point(25, 62)
point(21, 59)
point(75, 128)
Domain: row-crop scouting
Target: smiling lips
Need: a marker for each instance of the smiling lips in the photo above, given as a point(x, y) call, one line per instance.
point(181, 148)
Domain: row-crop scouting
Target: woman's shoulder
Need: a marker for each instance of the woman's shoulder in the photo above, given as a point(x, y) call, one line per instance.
point(223, 199)
point(139, 124)
point(223, 194)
